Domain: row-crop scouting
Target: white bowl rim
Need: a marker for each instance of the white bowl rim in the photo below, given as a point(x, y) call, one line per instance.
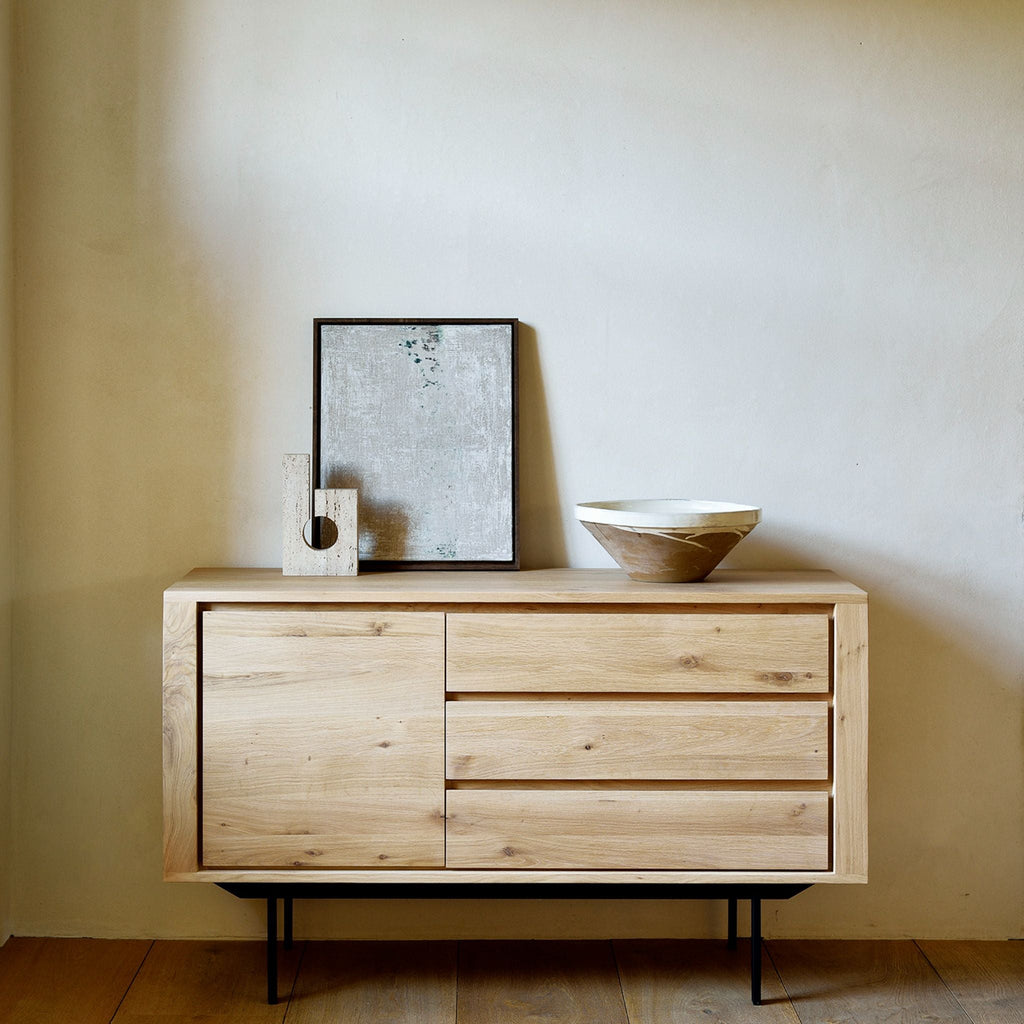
point(667, 513)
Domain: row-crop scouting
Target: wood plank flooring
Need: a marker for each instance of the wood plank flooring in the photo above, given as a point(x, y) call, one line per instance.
point(890, 981)
point(690, 980)
point(81, 980)
point(389, 982)
point(506, 982)
point(51, 981)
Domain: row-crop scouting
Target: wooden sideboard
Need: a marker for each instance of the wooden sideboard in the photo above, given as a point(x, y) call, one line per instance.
point(539, 727)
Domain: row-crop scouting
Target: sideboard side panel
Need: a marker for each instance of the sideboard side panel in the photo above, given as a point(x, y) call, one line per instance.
point(180, 729)
point(850, 805)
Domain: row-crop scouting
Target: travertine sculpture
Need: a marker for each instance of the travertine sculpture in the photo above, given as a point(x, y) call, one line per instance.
point(341, 558)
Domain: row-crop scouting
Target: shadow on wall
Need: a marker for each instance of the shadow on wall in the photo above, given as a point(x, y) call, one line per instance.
point(944, 740)
point(540, 522)
point(125, 419)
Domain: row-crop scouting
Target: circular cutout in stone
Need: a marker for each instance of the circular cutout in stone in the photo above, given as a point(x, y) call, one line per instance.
point(320, 533)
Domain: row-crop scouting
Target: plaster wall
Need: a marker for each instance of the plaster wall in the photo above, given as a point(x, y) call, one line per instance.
point(763, 252)
point(6, 462)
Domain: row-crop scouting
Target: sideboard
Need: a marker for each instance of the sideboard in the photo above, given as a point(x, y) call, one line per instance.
point(514, 732)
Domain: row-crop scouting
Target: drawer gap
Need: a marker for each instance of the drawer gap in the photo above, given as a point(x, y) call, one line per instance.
point(794, 608)
point(598, 608)
point(644, 785)
point(620, 695)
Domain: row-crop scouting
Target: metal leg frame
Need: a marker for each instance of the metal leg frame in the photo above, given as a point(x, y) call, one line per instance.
point(755, 943)
point(272, 942)
point(755, 950)
point(272, 950)
point(251, 890)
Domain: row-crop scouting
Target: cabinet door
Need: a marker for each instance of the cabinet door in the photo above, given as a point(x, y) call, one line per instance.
point(322, 738)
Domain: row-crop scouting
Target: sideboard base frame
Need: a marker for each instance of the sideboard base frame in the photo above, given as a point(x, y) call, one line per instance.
point(313, 891)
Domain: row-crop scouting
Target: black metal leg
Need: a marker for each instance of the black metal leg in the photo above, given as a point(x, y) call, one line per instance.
point(455, 890)
point(755, 951)
point(272, 950)
point(287, 922)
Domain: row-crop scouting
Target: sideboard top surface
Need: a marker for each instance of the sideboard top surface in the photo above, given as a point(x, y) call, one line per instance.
point(540, 586)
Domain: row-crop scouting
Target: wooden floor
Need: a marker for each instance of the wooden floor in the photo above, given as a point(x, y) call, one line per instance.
point(81, 981)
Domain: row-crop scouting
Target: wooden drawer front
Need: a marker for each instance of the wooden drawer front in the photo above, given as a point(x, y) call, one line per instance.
point(698, 653)
point(651, 739)
point(620, 829)
point(322, 739)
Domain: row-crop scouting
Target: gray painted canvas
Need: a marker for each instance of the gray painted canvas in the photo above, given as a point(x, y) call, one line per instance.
point(419, 419)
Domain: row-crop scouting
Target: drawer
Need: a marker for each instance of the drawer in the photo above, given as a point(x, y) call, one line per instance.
point(645, 739)
point(650, 829)
point(637, 653)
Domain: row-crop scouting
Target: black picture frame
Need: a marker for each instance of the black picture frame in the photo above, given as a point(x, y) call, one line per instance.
point(421, 416)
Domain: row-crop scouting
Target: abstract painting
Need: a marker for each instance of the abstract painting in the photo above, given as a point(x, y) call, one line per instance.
point(420, 416)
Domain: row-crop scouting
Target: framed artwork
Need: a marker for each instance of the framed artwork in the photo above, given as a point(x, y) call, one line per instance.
point(421, 417)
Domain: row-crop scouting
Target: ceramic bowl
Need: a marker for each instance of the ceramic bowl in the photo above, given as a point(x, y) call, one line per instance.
point(668, 540)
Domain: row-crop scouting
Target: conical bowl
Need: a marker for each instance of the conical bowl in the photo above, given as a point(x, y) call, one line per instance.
point(668, 540)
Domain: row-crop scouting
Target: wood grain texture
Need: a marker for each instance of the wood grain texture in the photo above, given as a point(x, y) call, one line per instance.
point(82, 980)
point(657, 829)
point(50, 981)
point(636, 740)
point(869, 982)
point(379, 982)
point(640, 653)
point(543, 876)
point(323, 738)
point(987, 978)
point(180, 736)
point(272, 845)
point(535, 586)
point(850, 743)
point(552, 982)
point(696, 980)
point(208, 983)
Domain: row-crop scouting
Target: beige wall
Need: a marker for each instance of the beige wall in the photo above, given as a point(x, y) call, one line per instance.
point(6, 463)
point(766, 252)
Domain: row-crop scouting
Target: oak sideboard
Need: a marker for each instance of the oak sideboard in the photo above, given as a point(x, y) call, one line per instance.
point(514, 732)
